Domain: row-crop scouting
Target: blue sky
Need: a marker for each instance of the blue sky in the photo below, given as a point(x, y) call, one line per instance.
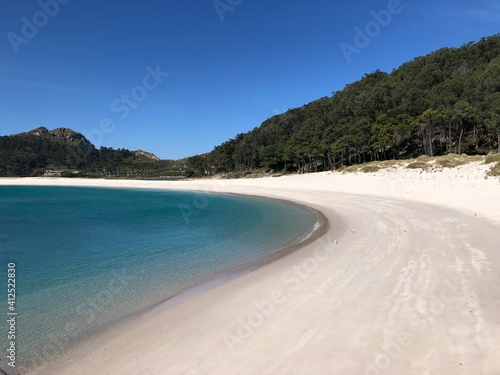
point(222, 67)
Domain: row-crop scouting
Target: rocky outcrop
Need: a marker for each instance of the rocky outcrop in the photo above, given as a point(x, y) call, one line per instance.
point(64, 134)
point(149, 155)
point(40, 132)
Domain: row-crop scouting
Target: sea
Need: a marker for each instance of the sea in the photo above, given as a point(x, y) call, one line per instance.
point(87, 259)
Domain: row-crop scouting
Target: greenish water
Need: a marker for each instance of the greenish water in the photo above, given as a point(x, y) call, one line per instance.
point(88, 258)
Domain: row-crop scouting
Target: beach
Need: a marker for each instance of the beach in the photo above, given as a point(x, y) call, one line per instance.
point(405, 280)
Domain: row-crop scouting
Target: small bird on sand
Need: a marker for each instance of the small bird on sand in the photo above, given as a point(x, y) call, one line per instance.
point(353, 231)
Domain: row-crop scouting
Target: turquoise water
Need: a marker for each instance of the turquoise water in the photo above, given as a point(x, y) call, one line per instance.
point(87, 258)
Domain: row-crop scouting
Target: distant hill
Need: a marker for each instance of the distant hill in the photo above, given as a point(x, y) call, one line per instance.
point(445, 102)
point(70, 153)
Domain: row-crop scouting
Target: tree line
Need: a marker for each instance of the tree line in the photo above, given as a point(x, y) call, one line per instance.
point(29, 154)
point(445, 102)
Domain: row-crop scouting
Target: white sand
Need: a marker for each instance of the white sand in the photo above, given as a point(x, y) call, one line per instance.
point(415, 289)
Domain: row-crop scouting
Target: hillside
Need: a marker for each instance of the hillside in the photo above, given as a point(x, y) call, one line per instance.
point(445, 102)
point(70, 153)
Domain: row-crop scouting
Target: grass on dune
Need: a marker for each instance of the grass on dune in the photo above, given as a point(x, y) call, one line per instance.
point(445, 161)
point(492, 159)
point(418, 165)
point(370, 167)
point(455, 160)
point(495, 170)
point(423, 162)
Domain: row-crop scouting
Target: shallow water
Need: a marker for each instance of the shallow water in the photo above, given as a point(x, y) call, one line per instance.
point(87, 258)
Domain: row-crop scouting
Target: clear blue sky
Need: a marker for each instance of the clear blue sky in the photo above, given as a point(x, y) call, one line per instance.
point(229, 70)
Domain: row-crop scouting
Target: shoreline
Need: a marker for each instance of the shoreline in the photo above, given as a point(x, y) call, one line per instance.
point(320, 227)
point(346, 302)
point(116, 330)
point(444, 187)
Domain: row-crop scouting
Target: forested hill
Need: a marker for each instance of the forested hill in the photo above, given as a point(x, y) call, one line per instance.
point(447, 101)
point(71, 154)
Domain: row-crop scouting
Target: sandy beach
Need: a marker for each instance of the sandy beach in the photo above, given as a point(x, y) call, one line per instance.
point(405, 281)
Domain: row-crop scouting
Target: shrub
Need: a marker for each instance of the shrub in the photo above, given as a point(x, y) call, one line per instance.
point(370, 168)
point(495, 171)
point(492, 159)
point(417, 164)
